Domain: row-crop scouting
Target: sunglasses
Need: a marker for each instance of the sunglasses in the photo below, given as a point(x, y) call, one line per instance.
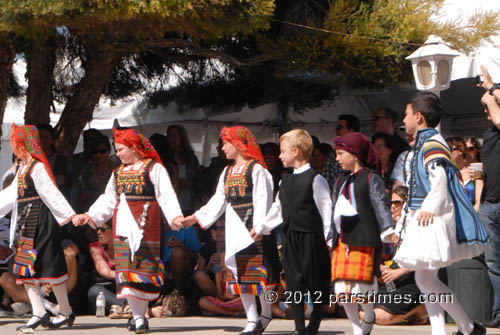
point(102, 229)
point(471, 148)
point(339, 127)
point(397, 202)
point(221, 228)
point(102, 151)
point(376, 118)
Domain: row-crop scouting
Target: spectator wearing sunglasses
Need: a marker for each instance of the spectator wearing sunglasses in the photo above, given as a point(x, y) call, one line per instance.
point(473, 149)
point(384, 121)
point(392, 311)
point(474, 187)
point(103, 276)
point(210, 259)
point(95, 176)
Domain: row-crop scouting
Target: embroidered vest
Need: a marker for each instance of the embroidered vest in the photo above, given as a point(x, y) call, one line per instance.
point(136, 184)
point(238, 188)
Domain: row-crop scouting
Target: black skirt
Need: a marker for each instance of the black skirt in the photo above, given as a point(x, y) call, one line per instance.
point(306, 262)
point(50, 264)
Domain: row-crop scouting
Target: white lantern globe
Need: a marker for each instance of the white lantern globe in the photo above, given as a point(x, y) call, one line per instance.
point(432, 64)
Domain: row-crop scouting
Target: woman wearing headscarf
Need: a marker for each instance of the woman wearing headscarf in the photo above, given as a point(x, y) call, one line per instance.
point(38, 209)
point(244, 193)
point(136, 194)
point(362, 219)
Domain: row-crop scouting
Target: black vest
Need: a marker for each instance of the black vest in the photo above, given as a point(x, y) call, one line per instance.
point(361, 230)
point(297, 203)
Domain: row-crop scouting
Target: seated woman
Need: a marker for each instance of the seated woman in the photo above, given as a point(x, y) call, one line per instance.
point(224, 303)
point(391, 311)
point(102, 253)
point(209, 260)
point(211, 280)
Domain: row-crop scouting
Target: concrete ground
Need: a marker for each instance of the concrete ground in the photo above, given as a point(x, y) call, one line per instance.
point(209, 325)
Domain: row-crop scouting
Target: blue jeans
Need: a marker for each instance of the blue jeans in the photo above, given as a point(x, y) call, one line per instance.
point(490, 216)
point(109, 295)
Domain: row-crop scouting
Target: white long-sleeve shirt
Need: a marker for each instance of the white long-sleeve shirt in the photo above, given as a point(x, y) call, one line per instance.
point(103, 208)
point(46, 189)
point(322, 199)
point(262, 195)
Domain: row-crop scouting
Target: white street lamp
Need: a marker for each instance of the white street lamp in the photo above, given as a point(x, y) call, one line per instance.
point(432, 64)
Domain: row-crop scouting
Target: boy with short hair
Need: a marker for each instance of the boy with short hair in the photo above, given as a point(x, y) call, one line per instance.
point(441, 226)
point(304, 205)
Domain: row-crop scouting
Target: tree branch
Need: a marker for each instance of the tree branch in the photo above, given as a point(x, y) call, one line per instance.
point(159, 46)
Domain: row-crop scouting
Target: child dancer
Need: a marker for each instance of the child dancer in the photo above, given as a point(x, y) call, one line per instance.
point(361, 219)
point(36, 202)
point(304, 206)
point(441, 226)
point(244, 192)
point(136, 194)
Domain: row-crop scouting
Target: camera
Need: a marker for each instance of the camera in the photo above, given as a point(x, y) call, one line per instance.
point(479, 80)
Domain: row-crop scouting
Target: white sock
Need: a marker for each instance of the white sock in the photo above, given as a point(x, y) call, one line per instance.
point(266, 311)
point(36, 301)
point(369, 317)
point(62, 299)
point(250, 306)
point(138, 308)
point(428, 282)
point(352, 314)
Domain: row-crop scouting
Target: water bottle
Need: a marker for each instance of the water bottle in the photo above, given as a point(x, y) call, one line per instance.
point(390, 286)
point(100, 305)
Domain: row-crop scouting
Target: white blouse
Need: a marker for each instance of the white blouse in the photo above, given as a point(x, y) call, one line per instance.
point(322, 199)
point(262, 197)
point(46, 189)
point(103, 208)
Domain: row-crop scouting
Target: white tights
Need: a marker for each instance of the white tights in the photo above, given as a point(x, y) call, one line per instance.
point(351, 309)
point(36, 301)
point(139, 309)
point(429, 283)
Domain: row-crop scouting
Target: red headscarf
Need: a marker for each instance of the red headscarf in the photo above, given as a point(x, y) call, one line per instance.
point(135, 140)
point(358, 145)
point(26, 138)
point(243, 139)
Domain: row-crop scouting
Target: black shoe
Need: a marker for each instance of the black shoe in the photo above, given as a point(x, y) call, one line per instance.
point(131, 324)
point(43, 321)
point(495, 323)
point(142, 328)
point(299, 332)
point(478, 330)
point(313, 327)
point(68, 320)
point(257, 331)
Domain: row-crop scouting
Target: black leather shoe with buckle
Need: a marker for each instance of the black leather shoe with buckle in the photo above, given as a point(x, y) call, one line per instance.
point(68, 320)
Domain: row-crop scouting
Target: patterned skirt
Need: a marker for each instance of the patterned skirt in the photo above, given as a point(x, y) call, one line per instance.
point(39, 258)
point(353, 263)
point(258, 268)
point(141, 278)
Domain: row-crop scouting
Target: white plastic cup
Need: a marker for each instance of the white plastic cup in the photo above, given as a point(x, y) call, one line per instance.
point(478, 170)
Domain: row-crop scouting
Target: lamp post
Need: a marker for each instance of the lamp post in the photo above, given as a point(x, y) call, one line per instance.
point(432, 64)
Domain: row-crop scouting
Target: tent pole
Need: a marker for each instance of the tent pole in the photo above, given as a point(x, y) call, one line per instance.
point(283, 116)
